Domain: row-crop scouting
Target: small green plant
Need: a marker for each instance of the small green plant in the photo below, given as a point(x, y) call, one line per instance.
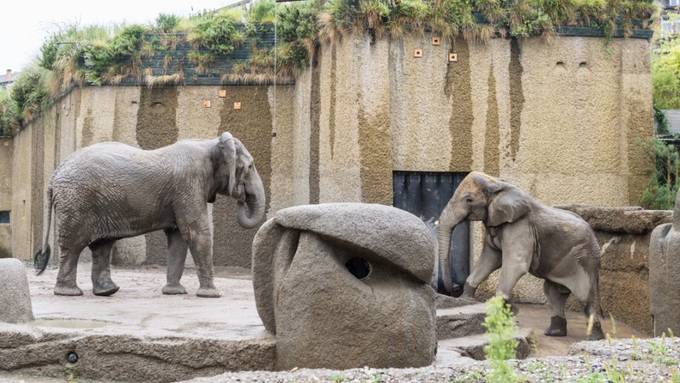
point(216, 33)
point(663, 186)
point(9, 115)
point(337, 378)
point(501, 329)
point(262, 11)
point(166, 23)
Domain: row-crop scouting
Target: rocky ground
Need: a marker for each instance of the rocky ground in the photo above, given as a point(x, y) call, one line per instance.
point(650, 360)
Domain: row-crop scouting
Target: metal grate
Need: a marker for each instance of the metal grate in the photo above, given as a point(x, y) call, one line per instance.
point(425, 194)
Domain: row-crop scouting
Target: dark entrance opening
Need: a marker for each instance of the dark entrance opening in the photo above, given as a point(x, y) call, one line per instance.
point(425, 194)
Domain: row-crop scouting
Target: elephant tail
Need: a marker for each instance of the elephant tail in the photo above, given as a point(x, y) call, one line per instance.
point(42, 257)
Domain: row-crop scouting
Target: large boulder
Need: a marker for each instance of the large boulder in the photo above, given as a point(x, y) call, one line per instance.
point(15, 297)
point(346, 285)
point(664, 275)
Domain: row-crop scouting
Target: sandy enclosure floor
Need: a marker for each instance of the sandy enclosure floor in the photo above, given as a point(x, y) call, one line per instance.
point(140, 305)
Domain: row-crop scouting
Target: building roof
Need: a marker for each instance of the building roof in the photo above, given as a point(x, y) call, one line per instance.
point(8, 77)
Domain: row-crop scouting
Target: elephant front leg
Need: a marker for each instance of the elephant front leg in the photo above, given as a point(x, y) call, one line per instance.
point(200, 244)
point(102, 284)
point(489, 261)
point(177, 247)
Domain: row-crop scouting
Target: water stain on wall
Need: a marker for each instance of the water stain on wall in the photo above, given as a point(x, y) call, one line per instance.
point(156, 117)
point(37, 174)
point(492, 134)
point(331, 108)
point(157, 127)
point(516, 96)
point(252, 125)
point(640, 165)
point(88, 131)
point(375, 152)
point(458, 88)
point(314, 116)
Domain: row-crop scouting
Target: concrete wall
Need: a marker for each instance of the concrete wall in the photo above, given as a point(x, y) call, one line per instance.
point(5, 195)
point(564, 119)
point(147, 118)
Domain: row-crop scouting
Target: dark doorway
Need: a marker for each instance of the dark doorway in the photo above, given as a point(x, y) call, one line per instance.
point(425, 194)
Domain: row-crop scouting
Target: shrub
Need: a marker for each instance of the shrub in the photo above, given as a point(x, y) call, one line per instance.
point(9, 115)
point(666, 74)
point(29, 92)
point(216, 33)
point(663, 185)
point(500, 328)
point(166, 23)
point(262, 11)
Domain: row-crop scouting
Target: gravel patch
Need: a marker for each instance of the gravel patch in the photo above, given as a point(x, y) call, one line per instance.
point(652, 360)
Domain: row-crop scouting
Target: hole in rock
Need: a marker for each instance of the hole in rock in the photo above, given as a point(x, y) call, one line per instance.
point(560, 63)
point(359, 267)
point(72, 357)
point(583, 64)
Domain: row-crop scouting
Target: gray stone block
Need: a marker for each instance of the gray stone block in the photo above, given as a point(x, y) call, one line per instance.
point(345, 286)
point(15, 297)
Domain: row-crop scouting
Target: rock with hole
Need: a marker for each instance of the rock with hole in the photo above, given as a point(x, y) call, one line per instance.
point(15, 297)
point(346, 285)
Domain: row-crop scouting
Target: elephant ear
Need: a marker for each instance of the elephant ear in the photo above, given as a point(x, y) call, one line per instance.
point(228, 147)
point(508, 204)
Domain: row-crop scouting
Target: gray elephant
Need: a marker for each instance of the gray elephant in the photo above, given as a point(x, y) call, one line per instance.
point(110, 190)
point(525, 236)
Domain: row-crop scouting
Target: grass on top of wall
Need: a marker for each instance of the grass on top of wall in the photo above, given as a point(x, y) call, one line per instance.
point(75, 55)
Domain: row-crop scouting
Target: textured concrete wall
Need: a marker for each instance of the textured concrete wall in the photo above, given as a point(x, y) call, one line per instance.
point(564, 119)
point(147, 118)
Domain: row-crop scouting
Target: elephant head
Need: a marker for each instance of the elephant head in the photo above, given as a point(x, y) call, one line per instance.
point(236, 176)
point(479, 197)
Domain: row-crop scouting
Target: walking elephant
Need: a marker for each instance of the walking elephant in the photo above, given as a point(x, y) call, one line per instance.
point(110, 190)
point(525, 236)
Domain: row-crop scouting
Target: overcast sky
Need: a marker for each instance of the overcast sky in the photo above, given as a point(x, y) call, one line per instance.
point(24, 24)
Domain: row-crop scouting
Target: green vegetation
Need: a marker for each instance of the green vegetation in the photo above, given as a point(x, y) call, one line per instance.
point(660, 193)
point(502, 346)
point(666, 74)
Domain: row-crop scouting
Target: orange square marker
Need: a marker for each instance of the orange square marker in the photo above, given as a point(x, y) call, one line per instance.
point(237, 105)
point(453, 57)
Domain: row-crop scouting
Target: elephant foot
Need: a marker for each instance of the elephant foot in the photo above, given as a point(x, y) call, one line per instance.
point(596, 333)
point(208, 292)
point(174, 289)
point(558, 327)
point(105, 289)
point(71, 291)
point(468, 292)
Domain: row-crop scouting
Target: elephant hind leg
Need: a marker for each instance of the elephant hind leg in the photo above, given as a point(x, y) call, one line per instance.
point(557, 297)
point(177, 247)
point(102, 284)
point(593, 312)
point(68, 269)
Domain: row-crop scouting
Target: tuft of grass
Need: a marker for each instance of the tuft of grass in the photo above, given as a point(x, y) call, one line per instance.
point(501, 329)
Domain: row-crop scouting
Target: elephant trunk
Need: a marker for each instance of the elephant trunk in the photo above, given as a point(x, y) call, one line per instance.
point(251, 210)
point(450, 217)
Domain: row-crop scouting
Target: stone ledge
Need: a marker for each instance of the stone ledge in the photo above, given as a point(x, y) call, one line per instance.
point(460, 321)
point(628, 220)
point(120, 355)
